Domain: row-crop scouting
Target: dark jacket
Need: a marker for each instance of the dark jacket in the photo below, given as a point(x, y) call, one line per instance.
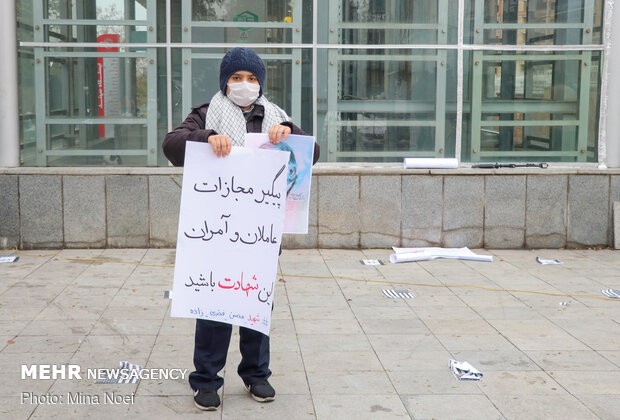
point(193, 129)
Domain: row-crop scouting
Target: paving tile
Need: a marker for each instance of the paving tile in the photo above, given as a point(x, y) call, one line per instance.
point(350, 383)
point(359, 406)
point(338, 361)
point(590, 382)
point(578, 360)
point(12, 385)
point(308, 313)
point(464, 342)
point(517, 382)
point(456, 326)
point(327, 326)
point(426, 382)
point(284, 407)
point(86, 410)
point(612, 356)
point(63, 327)
point(537, 335)
point(384, 312)
point(459, 407)
point(606, 407)
point(400, 359)
point(600, 334)
point(125, 327)
point(38, 343)
point(311, 343)
point(556, 407)
point(11, 408)
point(490, 360)
point(170, 388)
point(393, 326)
point(166, 407)
point(386, 342)
point(101, 351)
point(426, 313)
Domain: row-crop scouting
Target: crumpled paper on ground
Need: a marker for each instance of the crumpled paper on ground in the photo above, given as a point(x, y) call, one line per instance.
point(611, 293)
point(463, 370)
point(548, 262)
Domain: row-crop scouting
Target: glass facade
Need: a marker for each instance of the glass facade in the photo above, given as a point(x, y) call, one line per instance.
point(102, 81)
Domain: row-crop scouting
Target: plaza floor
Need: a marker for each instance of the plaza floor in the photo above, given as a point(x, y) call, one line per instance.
point(546, 341)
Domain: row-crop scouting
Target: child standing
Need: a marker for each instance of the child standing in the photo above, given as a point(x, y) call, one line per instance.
point(238, 108)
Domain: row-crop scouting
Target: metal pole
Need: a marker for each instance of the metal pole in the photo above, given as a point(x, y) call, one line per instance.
point(612, 135)
point(9, 111)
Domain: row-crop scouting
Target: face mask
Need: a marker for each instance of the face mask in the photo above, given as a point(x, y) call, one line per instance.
point(243, 93)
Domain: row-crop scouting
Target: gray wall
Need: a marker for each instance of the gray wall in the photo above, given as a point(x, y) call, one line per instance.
point(351, 207)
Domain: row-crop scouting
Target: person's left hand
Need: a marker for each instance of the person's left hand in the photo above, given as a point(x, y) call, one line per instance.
point(278, 131)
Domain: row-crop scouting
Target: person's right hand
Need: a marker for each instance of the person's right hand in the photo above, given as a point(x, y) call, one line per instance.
point(221, 144)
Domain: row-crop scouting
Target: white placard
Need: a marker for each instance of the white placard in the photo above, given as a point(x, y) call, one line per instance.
point(230, 229)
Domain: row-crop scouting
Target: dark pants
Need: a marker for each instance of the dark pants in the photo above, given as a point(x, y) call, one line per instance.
point(211, 347)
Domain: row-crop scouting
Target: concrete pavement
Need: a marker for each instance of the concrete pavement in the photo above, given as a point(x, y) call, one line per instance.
point(340, 348)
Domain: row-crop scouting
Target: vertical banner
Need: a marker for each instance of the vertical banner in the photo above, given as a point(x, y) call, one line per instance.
point(230, 230)
point(298, 178)
point(108, 82)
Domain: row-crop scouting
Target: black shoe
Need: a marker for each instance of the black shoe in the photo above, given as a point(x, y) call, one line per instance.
point(207, 399)
point(261, 391)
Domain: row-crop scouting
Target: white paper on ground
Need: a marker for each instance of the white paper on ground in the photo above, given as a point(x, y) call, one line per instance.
point(463, 370)
point(402, 293)
point(611, 293)
point(9, 259)
point(371, 262)
point(127, 373)
point(421, 254)
point(430, 163)
point(548, 262)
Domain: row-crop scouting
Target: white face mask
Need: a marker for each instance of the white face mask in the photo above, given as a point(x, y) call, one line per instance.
point(243, 93)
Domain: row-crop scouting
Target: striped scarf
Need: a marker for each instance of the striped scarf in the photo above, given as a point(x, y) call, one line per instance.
point(225, 117)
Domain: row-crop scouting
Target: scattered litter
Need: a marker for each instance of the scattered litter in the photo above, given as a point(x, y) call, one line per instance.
point(547, 262)
point(372, 262)
point(421, 254)
point(127, 373)
point(563, 303)
point(402, 293)
point(9, 259)
point(463, 370)
point(167, 294)
point(611, 293)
